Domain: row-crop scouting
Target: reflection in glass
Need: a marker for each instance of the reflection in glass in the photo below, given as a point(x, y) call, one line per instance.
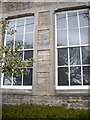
point(86, 55)
point(85, 35)
point(11, 24)
point(63, 77)
point(73, 37)
point(62, 56)
point(27, 78)
point(61, 21)
point(62, 38)
point(86, 75)
point(74, 56)
point(20, 29)
point(83, 16)
point(28, 41)
point(75, 76)
point(17, 80)
point(28, 54)
point(9, 41)
point(7, 80)
point(20, 26)
point(29, 28)
point(19, 38)
point(20, 22)
point(29, 20)
point(72, 20)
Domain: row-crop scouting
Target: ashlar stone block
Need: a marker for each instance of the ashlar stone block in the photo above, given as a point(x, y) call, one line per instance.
point(44, 19)
point(43, 58)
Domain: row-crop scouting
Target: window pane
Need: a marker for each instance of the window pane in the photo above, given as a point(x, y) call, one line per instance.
point(86, 75)
point(17, 80)
point(20, 22)
point(20, 26)
point(61, 21)
point(30, 20)
point(7, 80)
point(75, 76)
point(73, 37)
point(9, 41)
point(29, 24)
point(29, 28)
point(86, 55)
point(11, 24)
point(74, 56)
point(72, 20)
point(83, 15)
point(63, 76)
point(28, 54)
point(28, 41)
point(62, 38)
point(27, 78)
point(62, 56)
point(20, 29)
point(85, 35)
point(19, 38)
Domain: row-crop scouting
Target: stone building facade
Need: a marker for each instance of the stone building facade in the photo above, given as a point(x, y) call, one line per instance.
point(44, 77)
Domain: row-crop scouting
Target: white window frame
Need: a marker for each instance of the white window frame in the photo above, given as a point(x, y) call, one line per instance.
point(23, 49)
point(73, 87)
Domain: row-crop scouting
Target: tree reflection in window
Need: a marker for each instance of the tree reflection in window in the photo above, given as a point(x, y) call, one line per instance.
point(7, 80)
point(63, 76)
point(75, 56)
point(75, 76)
point(86, 75)
point(86, 55)
point(27, 78)
point(62, 56)
point(17, 80)
point(73, 48)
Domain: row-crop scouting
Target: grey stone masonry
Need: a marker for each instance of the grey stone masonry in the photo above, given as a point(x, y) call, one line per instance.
point(70, 101)
point(43, 85)
point(43, 58)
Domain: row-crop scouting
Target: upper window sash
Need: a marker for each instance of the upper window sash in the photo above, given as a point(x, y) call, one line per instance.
point(24, 32)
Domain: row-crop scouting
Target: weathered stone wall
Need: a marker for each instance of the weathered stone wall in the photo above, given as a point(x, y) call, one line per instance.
point(76, 101)
point(43, 87)
point(12, 6)
point(67, 99)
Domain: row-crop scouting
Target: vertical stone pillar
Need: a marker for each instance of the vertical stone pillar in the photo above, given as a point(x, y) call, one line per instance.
point(43, 83)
